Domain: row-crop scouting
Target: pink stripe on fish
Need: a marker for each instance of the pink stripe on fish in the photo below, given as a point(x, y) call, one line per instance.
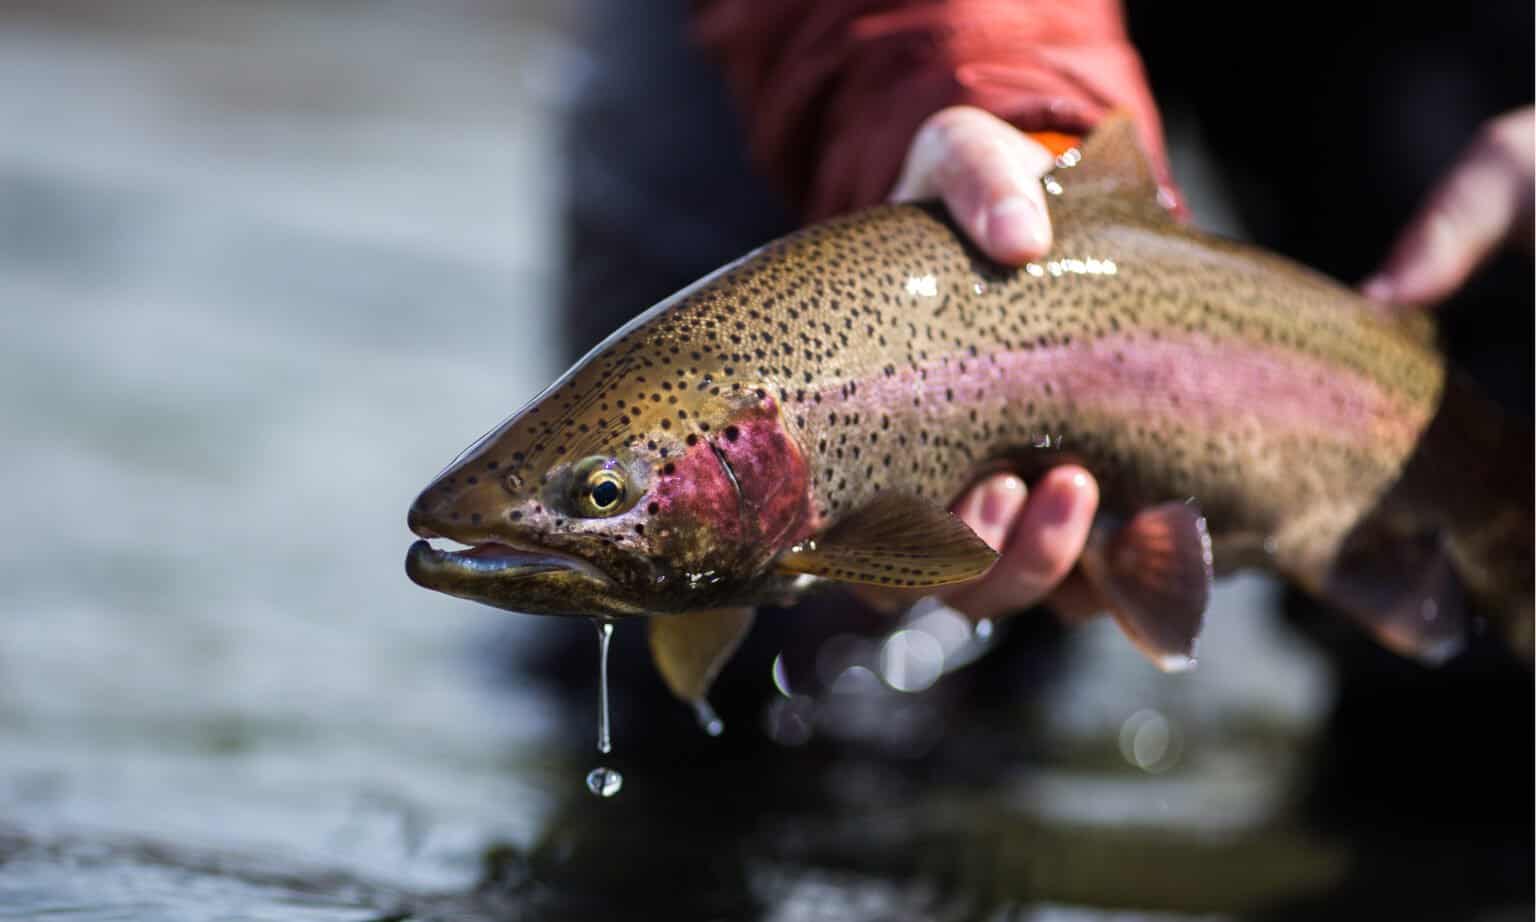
point(1199, 381)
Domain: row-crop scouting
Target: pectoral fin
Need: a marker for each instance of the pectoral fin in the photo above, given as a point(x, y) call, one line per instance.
point(896, 540)
point(690, 650)
point(1404, 591)
point(1154, 572)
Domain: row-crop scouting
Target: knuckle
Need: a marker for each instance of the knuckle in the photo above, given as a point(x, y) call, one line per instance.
point(1492, 140)
point(952, 127)
point(1504, 139)
point(938, 130)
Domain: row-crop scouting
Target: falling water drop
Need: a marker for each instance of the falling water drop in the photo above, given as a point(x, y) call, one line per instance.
point(709, 721)
point(604, 635)
point(602, 780)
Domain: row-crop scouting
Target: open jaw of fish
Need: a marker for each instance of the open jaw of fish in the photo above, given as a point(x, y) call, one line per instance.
point(442, 568)
point(803, 417)
point(505, 575)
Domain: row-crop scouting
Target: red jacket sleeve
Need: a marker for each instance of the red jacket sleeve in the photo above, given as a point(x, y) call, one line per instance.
point(834, 90)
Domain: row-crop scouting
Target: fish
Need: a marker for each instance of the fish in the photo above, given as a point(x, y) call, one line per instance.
point(804, 416)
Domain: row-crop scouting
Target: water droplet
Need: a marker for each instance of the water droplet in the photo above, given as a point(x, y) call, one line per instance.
point(1176, 662)
point(1150, 741)
point(709, 721)
point(856, 680)
point(781, 676)
point(926, 285)
point(604, 635)
point(604, 781)
point(911, 660)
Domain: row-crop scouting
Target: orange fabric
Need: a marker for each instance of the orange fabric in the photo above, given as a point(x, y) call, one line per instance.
point(834, 90)
point(1055, 141)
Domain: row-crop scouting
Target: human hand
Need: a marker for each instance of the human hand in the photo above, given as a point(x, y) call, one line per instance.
point(1484, 202)
point(988, 174)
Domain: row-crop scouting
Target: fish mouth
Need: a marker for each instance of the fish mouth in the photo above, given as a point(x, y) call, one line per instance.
point(434, 567)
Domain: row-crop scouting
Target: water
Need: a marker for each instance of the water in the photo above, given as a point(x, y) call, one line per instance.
point(602, 780)
point(709, 721)
point(604, 640)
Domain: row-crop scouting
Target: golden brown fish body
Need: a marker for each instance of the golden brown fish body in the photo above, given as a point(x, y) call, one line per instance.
point(769, 425)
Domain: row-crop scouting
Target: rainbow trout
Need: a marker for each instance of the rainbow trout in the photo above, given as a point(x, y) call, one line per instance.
point(803, 417)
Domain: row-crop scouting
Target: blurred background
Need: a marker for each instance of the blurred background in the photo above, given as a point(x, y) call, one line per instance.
point(266, 267)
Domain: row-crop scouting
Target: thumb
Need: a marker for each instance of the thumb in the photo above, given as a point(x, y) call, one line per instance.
point(988, 174)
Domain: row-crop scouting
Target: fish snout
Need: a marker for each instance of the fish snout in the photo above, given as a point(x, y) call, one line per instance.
point(420, 517)
point(453, 508)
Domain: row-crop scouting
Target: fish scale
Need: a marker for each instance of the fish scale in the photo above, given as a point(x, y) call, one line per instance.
point(774, 420)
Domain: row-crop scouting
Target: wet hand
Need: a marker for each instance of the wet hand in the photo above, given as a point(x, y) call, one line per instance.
point(1483, 203)
point(988, 174)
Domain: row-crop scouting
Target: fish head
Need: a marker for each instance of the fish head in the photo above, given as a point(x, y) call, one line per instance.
point(618, 494)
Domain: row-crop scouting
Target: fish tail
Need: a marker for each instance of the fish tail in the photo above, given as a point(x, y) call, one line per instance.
point(1485, 473)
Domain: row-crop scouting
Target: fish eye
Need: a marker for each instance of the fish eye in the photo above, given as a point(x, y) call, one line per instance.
point(599, 487)
point(607, 490)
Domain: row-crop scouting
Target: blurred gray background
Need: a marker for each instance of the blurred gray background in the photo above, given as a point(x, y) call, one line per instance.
point(264, 268)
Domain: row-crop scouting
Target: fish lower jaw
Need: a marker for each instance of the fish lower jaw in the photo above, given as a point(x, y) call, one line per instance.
point(436, 561)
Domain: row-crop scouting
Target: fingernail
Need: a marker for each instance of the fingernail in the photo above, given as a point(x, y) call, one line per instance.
point(1016, 226)
point(1000, 502)
point(1063, 499)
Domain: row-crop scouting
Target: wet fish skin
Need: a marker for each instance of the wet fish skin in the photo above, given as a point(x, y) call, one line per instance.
point(880, 354)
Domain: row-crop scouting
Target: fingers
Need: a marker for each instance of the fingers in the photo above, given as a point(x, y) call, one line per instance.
point(1076, 600)
point(1481, 203)
point(991, 506)
point(1042, 545)
point(988, 174)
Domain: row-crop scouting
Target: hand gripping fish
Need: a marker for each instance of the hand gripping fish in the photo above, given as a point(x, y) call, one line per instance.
point(804, 416)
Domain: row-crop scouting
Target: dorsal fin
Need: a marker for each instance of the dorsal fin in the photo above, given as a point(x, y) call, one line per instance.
point(1110, 162)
